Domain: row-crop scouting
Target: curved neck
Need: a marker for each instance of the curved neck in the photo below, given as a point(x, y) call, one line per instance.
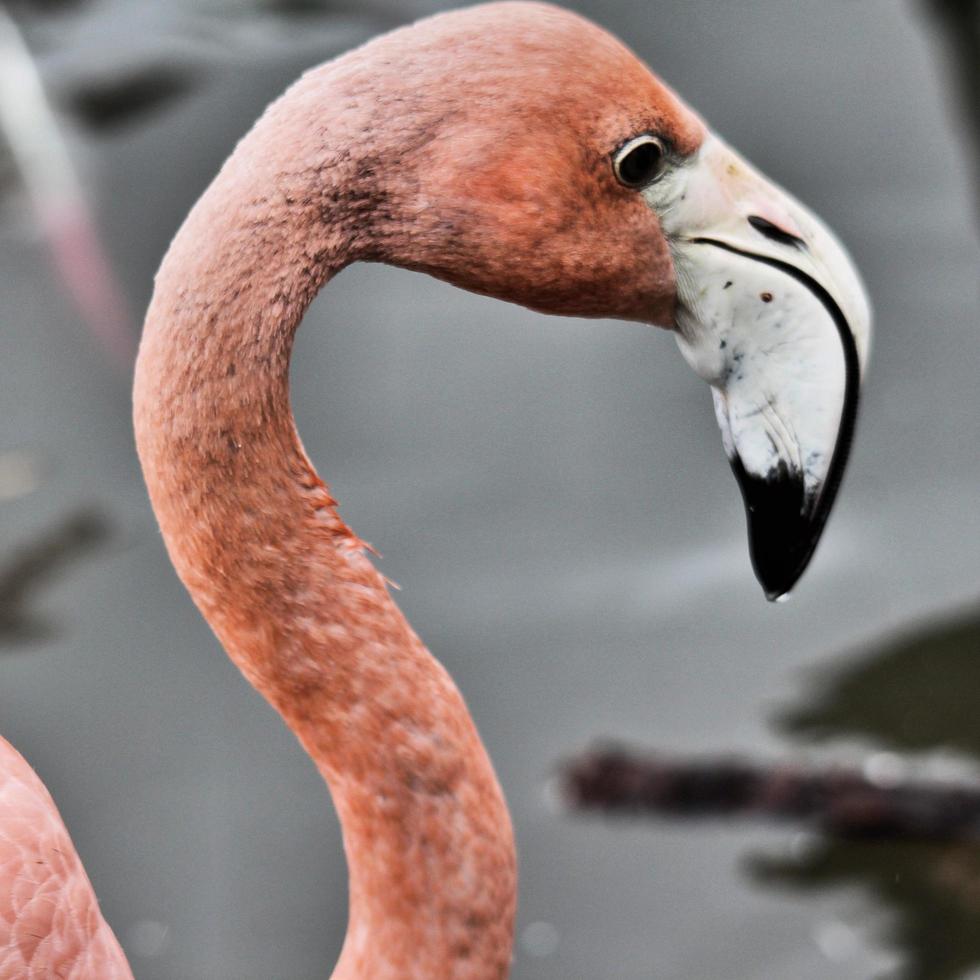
point(255, 537)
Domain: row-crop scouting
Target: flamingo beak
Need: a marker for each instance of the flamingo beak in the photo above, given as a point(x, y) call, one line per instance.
point(772, 314)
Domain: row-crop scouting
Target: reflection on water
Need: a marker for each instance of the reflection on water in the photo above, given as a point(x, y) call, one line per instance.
point(910, 845)
point(932, 892)
point(919, 692)
point(25, 571)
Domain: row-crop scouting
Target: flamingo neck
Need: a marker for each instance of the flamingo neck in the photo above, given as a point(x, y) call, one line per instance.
point(255, 536)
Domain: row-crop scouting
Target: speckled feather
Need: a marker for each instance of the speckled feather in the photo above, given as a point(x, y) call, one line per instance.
point(50, 923)
point(466, 147)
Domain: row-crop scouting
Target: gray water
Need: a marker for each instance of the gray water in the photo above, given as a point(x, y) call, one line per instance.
point(553, 499)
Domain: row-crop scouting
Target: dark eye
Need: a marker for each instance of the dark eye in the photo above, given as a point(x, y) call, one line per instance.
point(640, 161)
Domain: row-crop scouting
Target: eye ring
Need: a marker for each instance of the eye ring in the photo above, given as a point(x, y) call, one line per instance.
point(640, 161)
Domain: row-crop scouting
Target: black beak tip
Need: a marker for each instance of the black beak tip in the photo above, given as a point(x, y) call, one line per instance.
point(772, 595)
point(782, 524)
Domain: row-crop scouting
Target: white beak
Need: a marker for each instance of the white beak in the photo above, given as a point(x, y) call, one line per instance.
point(772, 314)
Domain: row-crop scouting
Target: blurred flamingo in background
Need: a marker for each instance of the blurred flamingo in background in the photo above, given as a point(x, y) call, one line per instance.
point(516, 150)
point(32, 134)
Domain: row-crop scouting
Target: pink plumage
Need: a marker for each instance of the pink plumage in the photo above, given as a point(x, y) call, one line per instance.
point(50, 923)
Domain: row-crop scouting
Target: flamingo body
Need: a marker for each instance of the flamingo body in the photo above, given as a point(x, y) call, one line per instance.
point(50, 923)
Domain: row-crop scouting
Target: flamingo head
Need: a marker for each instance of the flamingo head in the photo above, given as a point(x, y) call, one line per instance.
point(553, 169)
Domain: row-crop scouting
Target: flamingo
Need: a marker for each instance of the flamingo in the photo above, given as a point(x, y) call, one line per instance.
point(29, 127)
point(516, 150)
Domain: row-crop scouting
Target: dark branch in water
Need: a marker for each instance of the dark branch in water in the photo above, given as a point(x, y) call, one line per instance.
point(841, 802)
point(959, 26)
point(115, 100)
point(43, 6)
point(32, 565)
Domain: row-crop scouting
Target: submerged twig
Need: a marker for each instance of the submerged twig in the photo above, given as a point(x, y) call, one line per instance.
point(839, 801)
point(959, 25)
point(107, 102)
point(30, 566)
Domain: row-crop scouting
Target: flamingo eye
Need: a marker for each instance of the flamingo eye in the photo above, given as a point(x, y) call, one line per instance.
point(640, 161)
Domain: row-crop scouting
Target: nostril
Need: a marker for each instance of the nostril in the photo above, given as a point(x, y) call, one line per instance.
point(775, 233)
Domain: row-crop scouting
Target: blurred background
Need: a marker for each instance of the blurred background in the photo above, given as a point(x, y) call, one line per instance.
point(551, 495)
